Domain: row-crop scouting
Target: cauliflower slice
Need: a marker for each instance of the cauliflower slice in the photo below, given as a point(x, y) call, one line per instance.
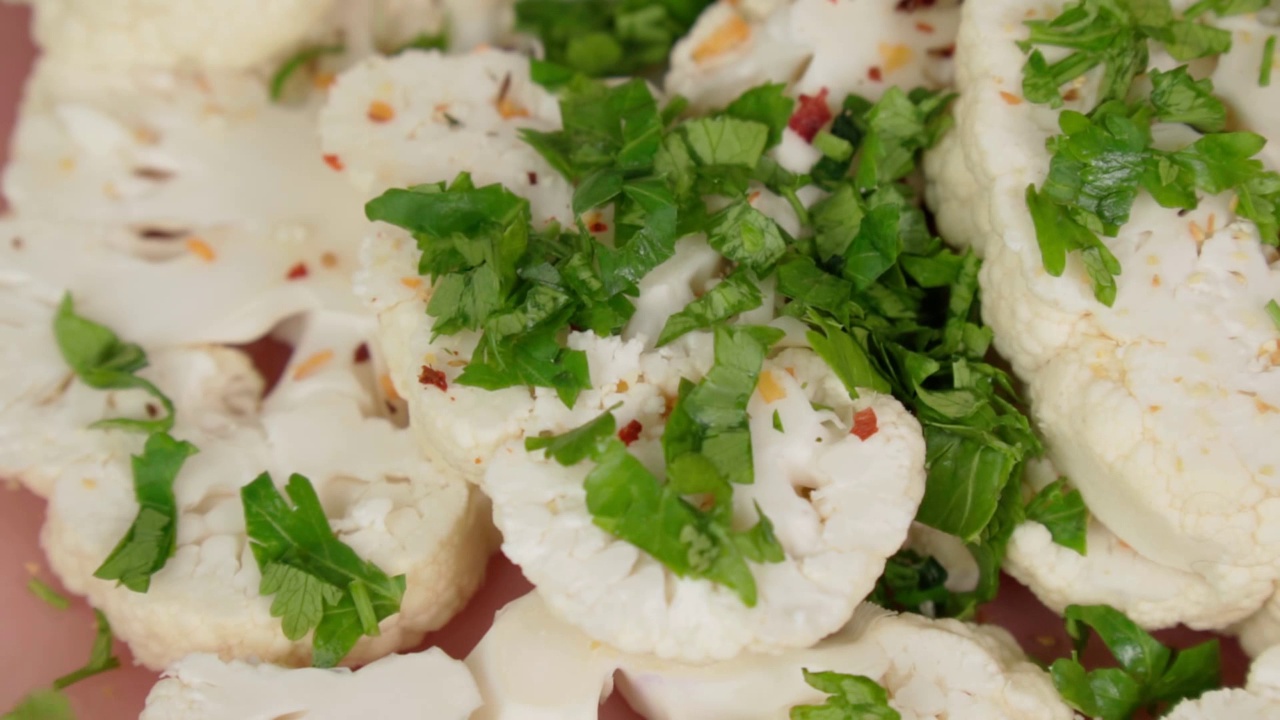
point(247, 33)
point(1112, 573)
point(449, 114)
point(1159, 408)
point(1259, 700)
point(428, 685)
point(391, 507)
point(531, 666)
point(836, 46)
point(840, 506)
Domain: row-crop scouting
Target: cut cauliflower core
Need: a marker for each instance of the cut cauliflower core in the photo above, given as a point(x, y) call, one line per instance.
point(1158, 409)
point(1259, 700)
point(840, 46)
point(840, 504)
point(390, 506)
point(244, 34)
point(423, 686)
point(530, 666)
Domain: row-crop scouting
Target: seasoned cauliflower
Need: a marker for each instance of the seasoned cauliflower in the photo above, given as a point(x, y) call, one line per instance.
point(250, 34)
point(1159, 408)
point(530, 666)
point(1259, 700)
point(428, 685)
point(386, 503)
point(835, 47)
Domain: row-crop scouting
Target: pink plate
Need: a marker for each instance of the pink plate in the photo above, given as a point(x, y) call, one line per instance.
point(41, 643)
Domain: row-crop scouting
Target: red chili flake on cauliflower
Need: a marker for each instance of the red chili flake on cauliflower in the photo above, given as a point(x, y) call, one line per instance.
point(812, 114)
point(913, 5)
point(630, 432)
point(431, 376)
point(864, 423)
point(361, 354)
point(334, 162)
point(874, 74)
point(297, 272)
point(598, 227)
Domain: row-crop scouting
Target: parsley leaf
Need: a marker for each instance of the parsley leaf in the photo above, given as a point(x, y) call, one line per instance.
point(1179, 98)
point(101, 658)
point(150, 540)
point(912, 582)
point(47, 594)
point(608, 37)
point(1062, 511)
point(899, 126)
point(1057, 234)
point(41, 705)
point(1268, 62)
point(767, 104)
point(103, 362)
point(295, 63)
point(1149, 675)
point(1273, 312)
point(852, 696)
point(319, 582)
point(579, 444)
point(736, 294)
point(747, 236)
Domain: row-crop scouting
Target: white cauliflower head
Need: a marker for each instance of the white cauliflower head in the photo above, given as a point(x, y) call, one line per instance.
point(1158, 408)
point(428, 685)
point(391, 507)
point(930, 668)
point(814, 46)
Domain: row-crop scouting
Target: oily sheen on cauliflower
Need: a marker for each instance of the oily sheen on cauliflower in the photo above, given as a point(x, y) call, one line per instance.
point(382, 500)
point(530, 665)
point(249, 34)
point(428, 685)
point(1157, 408)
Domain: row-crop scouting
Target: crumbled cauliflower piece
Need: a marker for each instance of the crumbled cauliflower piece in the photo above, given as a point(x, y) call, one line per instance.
point(1258, 700)
point(248, 33)
point(840, 46)
point(1158, 409)
point(931, 669)
point(428, 685)
point(390, 506)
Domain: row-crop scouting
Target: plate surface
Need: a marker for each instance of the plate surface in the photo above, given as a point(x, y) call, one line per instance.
point(38, 643)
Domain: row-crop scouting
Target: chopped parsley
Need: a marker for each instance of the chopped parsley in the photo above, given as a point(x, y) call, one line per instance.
point(1273, 311)
point(319, 582)
point(151, 538)
point(104, 362)
point(1062, 511)
point(852, 697)
point(1150, 675)
point(1268, 61)
point(1105, 157)
point(300, 59)
point(601, 38)
point(915, 583)
point(47, 594)
point(43, 704)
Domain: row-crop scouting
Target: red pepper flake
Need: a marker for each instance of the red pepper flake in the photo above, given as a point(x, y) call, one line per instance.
point(381, 112)
point(943, 52)
point(598, 227)
point(431, 376)
point(812, 114)
point(913, 5)
point(362, 353)
point(329, 260)
point(864, 423)
point(1010, 98)
point(924, 27)
point(630, 432)
point(533, 177)
point(297, 272)
point(874, 74)
point(334, 162)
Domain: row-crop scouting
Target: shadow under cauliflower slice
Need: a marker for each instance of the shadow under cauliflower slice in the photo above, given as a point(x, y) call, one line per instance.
point(929, 668)
point(428, 684)
point(387, 504)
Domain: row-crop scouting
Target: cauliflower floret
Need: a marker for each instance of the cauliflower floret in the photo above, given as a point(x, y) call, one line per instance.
point(840, 46)
point(249, 33)
point(450, 114)
point(428, 685)
point(391, 507)
point(930, 668)
point(1159, 408)
point(1259, 700)
point(840, 506)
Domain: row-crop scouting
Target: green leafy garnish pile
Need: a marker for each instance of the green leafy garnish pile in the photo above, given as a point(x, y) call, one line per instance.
point(1105, 157)
point(852, 696)
point(319, 583)
point(601, 38)
point(889, 308)
point(1150, 676)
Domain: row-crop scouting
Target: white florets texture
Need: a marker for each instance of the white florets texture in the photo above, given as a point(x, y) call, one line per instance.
point(424, 686)
point(1158, 409)
point(390, 506)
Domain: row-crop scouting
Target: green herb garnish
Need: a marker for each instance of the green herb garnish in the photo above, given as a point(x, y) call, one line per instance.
point(1268, 61)
point(295, 62)
point(853, 697)
point(1061, 509)
point(101, 658)
point(47, 594)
